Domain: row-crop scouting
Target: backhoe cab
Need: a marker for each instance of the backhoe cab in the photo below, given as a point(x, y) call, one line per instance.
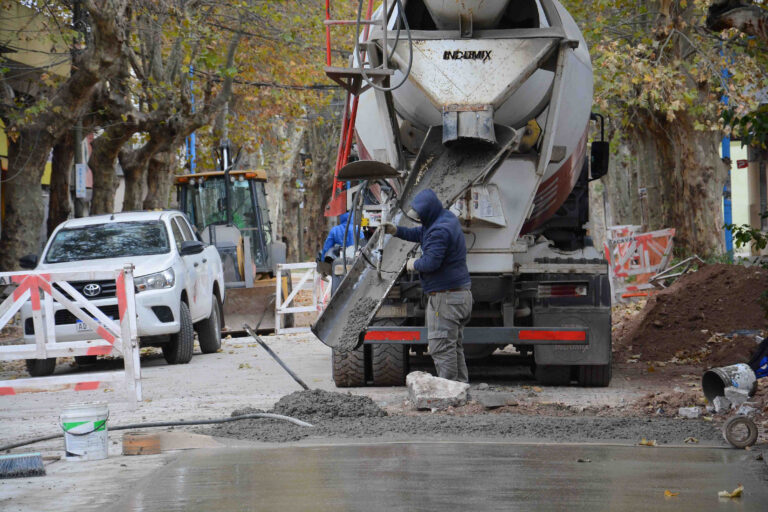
point(229, 210)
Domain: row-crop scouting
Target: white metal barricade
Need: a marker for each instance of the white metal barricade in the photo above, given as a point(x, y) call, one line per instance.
point(41, 289)
point(634, 258)
point(310, 280)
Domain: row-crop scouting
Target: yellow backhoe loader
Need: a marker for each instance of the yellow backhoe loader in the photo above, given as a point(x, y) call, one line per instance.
point(229, 210)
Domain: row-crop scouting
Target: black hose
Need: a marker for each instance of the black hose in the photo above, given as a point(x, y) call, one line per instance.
point(275, 356)
point(356, 49)
point(179, 423)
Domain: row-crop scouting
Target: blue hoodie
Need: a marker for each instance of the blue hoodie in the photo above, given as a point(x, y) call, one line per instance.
point(443, 262)
point(336, 235)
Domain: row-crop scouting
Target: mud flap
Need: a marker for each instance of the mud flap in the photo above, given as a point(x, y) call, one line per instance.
point(598, 349)
point(449, 171)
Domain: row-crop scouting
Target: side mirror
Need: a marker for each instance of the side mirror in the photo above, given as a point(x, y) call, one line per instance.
point(599, 158)
point(28, 262)
point(191, 247)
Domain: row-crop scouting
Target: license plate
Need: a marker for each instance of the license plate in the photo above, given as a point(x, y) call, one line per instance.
point(81, 326)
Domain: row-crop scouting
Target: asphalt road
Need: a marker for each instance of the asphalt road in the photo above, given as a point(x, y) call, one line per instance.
point(448, 476)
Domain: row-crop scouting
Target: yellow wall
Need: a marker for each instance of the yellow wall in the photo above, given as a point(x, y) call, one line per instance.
point(33, 38)
point(4, 157)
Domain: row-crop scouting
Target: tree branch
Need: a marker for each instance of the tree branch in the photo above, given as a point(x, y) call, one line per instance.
point(739, 14)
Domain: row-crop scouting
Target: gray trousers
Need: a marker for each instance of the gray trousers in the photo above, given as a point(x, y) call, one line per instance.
point(447, 314)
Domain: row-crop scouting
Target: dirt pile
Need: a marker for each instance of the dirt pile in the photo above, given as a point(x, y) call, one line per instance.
point(690, 320)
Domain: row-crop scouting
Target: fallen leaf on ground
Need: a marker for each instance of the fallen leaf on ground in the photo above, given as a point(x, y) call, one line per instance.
point(583, 460)
point(647, 442)
point(735, 494)
point(537, 389)
point(691, 440)
point(669, 494)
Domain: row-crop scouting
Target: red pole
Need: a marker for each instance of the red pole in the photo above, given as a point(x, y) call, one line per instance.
point(328, 33)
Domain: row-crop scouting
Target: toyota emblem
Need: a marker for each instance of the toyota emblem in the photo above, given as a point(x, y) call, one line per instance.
point(91, 290)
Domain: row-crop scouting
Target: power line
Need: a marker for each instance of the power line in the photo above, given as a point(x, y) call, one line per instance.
point(274, 85)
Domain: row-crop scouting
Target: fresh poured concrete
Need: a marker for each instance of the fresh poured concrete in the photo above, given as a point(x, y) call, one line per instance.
point(448, 476)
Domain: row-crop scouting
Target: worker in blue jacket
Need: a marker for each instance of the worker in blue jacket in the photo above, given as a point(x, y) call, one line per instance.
point(336, 235)
point(444, 277)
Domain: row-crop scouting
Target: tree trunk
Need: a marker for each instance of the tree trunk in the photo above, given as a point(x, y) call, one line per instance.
point(23, 206)
point(159, 180)
point(134, 187)
point(322, 141)
point(683, 177)
point(60, 207)
point(102, 163)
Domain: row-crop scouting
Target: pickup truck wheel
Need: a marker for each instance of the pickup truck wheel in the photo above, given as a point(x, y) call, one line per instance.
point(179, 348)
point(209, 330)
point(41, 367)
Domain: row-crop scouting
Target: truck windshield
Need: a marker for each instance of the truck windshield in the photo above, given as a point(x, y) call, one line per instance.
point(113, 240)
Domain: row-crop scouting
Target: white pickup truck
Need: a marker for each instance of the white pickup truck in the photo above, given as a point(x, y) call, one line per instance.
point(179, 281)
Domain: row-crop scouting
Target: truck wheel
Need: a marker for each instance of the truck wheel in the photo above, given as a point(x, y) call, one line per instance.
point(41, 367)
point(179, 348)
point(594, 375)
point(209, 330)
point(349, 368)
point(389, 364)
point(553, 375)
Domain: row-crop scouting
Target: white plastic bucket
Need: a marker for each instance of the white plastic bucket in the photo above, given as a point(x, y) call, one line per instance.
point(740, 376)
point(85, 431)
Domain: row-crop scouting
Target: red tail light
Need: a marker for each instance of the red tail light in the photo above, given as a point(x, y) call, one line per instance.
point(563, 290)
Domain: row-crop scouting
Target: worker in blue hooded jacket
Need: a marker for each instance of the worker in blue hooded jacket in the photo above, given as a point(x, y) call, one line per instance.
point(336, 235)
point(444, 278)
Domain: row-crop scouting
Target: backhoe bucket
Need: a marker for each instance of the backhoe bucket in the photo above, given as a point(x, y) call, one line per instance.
point(247, 306)
point(255, 306)
point(449, 171)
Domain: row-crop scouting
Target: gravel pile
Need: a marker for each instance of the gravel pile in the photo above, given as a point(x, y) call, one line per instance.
point(317, 404)
point(345, 416)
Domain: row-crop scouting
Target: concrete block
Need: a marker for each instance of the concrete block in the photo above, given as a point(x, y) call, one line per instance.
point(689, 412)
point(736, 396)
point(722, 404)
point(428, 392)
point(492, 399)
point(746, 410)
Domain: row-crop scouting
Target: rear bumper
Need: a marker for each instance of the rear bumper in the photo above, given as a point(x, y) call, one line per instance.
point(484, 335)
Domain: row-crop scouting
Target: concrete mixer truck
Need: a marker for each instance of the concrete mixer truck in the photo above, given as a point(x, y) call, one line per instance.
point(488, 104)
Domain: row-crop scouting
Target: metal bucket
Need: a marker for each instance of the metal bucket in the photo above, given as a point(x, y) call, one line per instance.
point(739, 376)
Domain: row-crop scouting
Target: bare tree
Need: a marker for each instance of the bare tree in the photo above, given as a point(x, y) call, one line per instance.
point(34, 125)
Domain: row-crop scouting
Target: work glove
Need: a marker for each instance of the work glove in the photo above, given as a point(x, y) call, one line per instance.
point(409, 265)
point(389, 228)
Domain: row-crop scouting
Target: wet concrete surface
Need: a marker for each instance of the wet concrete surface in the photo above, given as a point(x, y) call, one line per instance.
point(450, 476)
